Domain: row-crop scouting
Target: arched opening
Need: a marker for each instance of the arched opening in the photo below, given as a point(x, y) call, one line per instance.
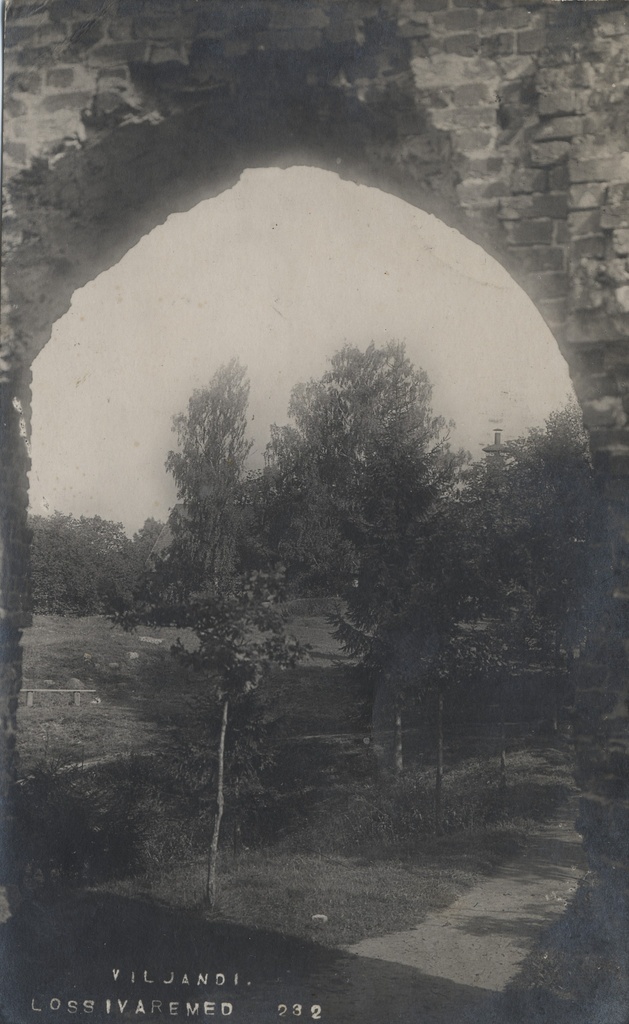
point(366, 268)
point(472, 113)
point(268, 271)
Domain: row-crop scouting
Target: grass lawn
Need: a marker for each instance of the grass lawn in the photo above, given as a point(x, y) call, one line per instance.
point(282, 890)
point(135, 683)
point(360, 854)
point(283, 886)
point(142, 689)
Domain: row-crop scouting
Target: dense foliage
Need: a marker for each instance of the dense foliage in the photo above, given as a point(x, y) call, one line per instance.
point(86, 566)
point(448, 576)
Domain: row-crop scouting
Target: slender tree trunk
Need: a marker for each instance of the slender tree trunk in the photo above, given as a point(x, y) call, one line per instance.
point(556, 681)
point(503, 749)
point(236, 835)
point(210, 888)
point(398, 750)
point(439, 772)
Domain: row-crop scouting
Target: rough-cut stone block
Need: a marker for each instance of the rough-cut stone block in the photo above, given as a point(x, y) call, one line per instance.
point(483, 166)
point(558, 178)
point(496, 21)
point(290, 39)
point(584, 222)
point(15, 151)
point(474, 190)
point(14, 107)
point(544, 204)
point(121, 29)
point(108, 54)
point(615, 216)
point(602, 168)
point(538, 258)
point(553, 310)
point(552, 284)
point(617, 270)
point(36, 56)
point(617, 194)
point(110, 74)
point(500, 45)
point(591, 247)
point(529, 232)
point(66, 101)
point(554, 77)
point(529, 179)
point(560, 101)
point(545, 154)
point(15, 35)
point(530, 40)
point(592, 328)
point(586, 196)
point(298, 16)
point(564, 127)
point(60, 78)
point(456, 21)
point(469, 140)
point(24, 81)
point(466, 44)
point(598, 386)
point(472, 95)
point(620, 241)
point(612, 23)
point(408, 28)
point(431, 5)
point(465, 117)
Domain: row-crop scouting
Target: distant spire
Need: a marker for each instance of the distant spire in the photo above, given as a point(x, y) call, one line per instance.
point(497, 448)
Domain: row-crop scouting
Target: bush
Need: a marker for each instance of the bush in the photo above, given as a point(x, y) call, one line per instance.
point(395, 816)
point(78, 825)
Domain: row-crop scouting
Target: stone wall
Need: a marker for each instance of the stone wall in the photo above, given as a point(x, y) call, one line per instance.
point(506, 119)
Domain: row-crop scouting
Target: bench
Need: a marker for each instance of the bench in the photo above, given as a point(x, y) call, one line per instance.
point(30, 690)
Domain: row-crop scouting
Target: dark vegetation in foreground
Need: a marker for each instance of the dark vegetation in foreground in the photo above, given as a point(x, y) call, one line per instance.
point(325, 830)
point(578, 971)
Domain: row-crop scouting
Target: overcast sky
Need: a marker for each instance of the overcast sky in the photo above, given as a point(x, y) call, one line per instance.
point(280, 270)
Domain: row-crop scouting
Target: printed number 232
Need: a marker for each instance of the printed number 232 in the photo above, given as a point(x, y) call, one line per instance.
point(297, 1010)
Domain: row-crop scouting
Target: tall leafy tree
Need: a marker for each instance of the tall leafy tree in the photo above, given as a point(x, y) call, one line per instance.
point(208, 469)
point(197, 582)
point(364, 473)
point(526, 518)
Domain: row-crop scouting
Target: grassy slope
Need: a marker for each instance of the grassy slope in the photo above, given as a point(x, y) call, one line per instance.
point(135, 693)
point(141, 696)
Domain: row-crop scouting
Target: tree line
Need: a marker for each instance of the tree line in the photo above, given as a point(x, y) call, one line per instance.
point(441, 568)
point(86, 565)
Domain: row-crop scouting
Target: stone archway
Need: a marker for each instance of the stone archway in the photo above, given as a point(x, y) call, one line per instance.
point(506, 120)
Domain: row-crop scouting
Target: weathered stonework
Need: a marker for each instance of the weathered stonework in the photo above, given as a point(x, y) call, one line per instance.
point(508, 120)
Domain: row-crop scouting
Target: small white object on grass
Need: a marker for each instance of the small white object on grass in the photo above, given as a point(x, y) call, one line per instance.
point(151, 640)
point(133, 654)
point(320, 918)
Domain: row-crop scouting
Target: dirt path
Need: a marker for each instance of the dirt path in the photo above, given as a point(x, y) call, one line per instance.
point(481, 940)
